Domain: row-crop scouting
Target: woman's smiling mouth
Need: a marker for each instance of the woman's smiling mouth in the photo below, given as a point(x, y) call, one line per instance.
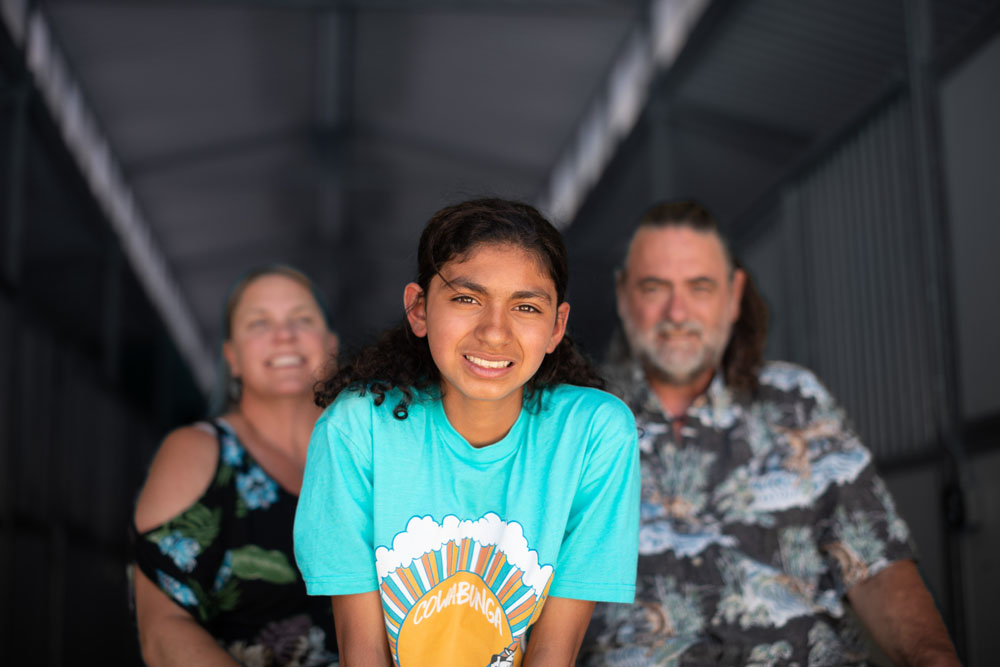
point(286, 360)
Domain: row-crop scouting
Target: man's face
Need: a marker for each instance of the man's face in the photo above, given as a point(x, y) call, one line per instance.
point(678, 302)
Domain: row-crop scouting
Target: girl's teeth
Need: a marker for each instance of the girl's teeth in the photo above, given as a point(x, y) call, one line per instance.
point(488, 364)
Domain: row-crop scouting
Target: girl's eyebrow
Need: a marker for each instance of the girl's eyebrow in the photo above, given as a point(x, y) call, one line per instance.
point(532, 294)
point(464, 283)
point(472, 286)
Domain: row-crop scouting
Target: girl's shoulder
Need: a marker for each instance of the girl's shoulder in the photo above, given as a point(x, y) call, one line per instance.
point(355, 407)
point(586, 402)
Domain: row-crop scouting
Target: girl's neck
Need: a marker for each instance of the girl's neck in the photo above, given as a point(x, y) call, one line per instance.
point(481, 423)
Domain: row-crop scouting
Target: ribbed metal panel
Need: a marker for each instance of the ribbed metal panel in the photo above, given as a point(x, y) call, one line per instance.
point(861, 240)
point(71, 455)
point(799, 65)
point(954, 19)
point(838, 258)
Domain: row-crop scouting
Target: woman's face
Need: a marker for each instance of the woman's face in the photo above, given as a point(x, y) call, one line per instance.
point(278, 341)
point(489, 319)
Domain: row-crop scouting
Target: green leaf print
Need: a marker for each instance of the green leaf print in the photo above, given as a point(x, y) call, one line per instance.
point(252, 562)
point(199, 523)
point(224, 475)
point(205, 607)
point(227, 597)
point(157, 535)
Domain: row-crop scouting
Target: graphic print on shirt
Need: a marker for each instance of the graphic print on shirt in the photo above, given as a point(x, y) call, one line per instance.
point(460, 592)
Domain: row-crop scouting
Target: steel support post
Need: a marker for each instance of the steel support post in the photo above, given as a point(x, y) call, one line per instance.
point(112, 314)
point(15, 187)
point(935, 240)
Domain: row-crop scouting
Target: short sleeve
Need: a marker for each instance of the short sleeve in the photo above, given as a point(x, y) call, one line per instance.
point(861, 531)
point(865, 533)
point(334, 519)
point(598, 557)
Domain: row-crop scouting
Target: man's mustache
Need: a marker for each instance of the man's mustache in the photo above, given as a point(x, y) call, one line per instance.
point(668, 328)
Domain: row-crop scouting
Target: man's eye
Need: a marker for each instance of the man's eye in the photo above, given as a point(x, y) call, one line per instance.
point(257, 324)
point(527, 308)
point(462, 298)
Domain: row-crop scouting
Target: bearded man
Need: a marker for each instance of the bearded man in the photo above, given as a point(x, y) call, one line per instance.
point(762, 516)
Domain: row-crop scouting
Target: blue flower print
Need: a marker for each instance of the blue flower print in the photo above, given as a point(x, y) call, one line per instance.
point(225, 571)
point(256, 489)
point(232, 451)
point(176, 589)
point(183, 550)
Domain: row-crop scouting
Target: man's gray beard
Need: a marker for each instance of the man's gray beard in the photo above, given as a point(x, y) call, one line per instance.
point(655, 360)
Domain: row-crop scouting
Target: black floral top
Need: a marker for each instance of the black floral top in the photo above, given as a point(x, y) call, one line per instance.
point(227, 560)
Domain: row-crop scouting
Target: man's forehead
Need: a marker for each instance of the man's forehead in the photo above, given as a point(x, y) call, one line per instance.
point(659, 249)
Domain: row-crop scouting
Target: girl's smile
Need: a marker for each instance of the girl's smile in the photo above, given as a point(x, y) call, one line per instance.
point(489, 319)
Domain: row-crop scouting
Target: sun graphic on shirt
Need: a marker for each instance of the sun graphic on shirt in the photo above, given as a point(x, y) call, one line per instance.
point(460, 593)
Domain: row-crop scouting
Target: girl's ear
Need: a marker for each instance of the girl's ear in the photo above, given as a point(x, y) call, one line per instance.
point(416, 309)
point(562, 316)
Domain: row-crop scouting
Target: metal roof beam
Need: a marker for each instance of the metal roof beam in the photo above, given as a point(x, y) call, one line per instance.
point(102, 172)
point(576, 7)
point(776, 144)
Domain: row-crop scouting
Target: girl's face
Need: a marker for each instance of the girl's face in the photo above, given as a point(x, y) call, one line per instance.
point(489, 323)
point(279, 340)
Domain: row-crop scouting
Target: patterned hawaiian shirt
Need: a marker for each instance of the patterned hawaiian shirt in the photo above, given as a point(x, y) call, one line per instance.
point(755, 521)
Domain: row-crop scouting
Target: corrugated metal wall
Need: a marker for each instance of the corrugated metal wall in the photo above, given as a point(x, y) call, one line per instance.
point(844, 268)
point(72, 449)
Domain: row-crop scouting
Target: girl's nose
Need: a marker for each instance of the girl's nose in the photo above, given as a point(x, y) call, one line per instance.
point(494, 328)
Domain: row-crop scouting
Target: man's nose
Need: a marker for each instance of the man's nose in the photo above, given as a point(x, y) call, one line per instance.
point(676, 308)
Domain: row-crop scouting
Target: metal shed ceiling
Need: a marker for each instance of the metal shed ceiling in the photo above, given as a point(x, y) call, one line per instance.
point(325, 133)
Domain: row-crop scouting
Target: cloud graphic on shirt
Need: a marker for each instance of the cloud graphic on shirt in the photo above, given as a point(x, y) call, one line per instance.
point(425, 535)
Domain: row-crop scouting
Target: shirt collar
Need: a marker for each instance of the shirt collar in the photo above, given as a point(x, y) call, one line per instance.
point(715, 407)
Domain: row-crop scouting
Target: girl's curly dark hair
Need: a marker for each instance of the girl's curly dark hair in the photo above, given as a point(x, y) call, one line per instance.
point(400, 359)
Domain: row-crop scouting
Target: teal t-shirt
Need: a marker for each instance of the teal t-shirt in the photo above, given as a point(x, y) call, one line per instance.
point(464, 544)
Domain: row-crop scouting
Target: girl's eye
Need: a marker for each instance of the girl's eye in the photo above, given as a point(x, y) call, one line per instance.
point(257, 324)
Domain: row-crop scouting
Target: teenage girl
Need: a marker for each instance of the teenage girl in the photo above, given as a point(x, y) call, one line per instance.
point(469, 494)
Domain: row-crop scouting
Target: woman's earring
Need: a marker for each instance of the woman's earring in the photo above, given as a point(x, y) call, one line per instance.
point(235, 389)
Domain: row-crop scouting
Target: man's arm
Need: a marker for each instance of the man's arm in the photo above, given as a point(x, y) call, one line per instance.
point(900, 614)
point(556, 635)
point(361, 638)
